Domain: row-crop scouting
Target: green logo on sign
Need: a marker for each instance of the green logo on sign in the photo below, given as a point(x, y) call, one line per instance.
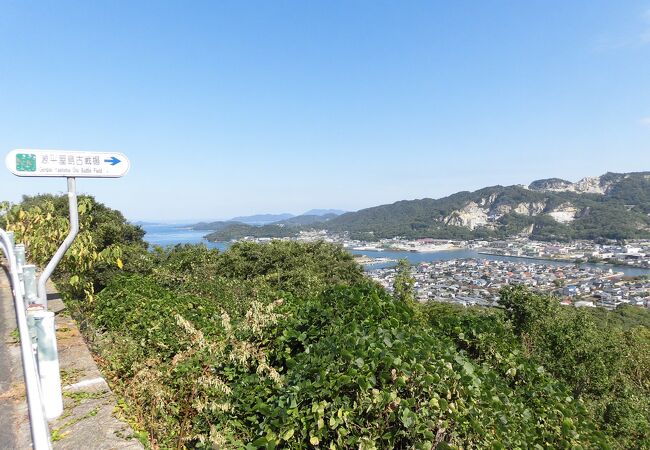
point(25, 162)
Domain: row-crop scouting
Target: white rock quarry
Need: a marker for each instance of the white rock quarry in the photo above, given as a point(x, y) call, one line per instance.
point(501, 210)
point(589, 185)
point(474, 214)
point(530, 209)
point(470, 216)
point(565, 213)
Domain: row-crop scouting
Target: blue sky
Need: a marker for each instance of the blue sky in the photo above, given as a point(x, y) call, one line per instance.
point(231, 108)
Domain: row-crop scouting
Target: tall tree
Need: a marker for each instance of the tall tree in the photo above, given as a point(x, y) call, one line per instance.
point(404, 282)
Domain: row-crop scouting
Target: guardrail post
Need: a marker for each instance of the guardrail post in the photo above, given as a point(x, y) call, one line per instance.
point(48, 364)
point(31, 326)
point(29, 281)
point(12, 239)
point(19, 250)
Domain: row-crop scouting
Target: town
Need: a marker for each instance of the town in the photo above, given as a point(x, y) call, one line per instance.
point(633, 253)
point(477, 282)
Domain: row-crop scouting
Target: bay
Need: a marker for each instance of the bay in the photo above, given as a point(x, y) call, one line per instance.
point(165, 235)
point(172, 234)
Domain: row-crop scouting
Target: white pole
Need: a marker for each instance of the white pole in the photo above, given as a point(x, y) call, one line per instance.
point(19, 251)
point(10, 236)
point(29, 282)
point(48, 364)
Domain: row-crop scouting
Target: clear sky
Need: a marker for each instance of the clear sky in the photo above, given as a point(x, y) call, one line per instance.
point(231, 108)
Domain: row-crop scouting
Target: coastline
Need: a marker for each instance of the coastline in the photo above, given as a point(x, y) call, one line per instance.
point(368, 261)
point(561, 260)
point(538, 258)
point(426, 248)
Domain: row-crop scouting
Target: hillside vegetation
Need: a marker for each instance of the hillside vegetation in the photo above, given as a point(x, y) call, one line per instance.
point(289, 345)
point(226, 231)
point(613, 206)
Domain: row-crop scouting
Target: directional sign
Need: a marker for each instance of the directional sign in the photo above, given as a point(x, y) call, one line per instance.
point(62, 163)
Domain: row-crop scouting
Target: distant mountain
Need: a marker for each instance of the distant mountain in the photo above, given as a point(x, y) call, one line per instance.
point(283, 228)
point(306, 219)
point(261, 219)
point(142, 223)
point(213, 226)
point(612, 206)
point(162, 223)
point(286, 219)
point(240, 230)
point(324, 212)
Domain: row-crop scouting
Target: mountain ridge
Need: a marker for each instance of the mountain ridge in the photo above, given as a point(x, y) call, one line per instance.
point(611, 206)
point(261, 219)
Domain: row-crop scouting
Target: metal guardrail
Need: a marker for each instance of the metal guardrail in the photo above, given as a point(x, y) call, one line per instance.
point(36, 344)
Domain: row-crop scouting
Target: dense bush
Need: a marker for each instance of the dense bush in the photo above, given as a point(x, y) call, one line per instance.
point(351, 367)
point(601, 356)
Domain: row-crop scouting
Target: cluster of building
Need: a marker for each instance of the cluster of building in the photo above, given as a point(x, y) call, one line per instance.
point(478, 282)
point(633, 253)
point(392, 244)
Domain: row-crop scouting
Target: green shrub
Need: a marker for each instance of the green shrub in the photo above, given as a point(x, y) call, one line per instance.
point(350, 367)
point(602, 357)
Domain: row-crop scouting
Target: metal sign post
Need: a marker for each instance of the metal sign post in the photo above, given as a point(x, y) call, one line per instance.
point(70, 165)
point(74, 229)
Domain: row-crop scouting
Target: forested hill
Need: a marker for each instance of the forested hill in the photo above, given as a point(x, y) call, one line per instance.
point(613, 206)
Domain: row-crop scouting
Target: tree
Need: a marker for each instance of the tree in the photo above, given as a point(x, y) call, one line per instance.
point(404, 282)
point(96, 255)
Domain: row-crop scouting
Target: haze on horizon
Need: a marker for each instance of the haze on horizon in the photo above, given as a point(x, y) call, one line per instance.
point(228, 109)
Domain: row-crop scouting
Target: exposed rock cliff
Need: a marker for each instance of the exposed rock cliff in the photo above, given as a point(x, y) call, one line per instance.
point(470, 216)
point(530, 209)
point(564, 213)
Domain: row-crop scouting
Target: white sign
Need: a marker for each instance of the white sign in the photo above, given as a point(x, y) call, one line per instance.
point(62, 163)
